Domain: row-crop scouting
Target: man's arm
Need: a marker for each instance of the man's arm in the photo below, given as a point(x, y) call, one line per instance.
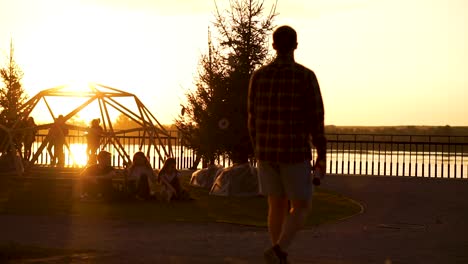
point(317, 124)
point(251, 110)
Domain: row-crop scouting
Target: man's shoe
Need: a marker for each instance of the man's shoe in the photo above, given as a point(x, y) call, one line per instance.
point(275, 255)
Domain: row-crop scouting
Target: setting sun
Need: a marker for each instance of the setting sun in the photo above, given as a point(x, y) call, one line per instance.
point(359, 52)
point(79, 158)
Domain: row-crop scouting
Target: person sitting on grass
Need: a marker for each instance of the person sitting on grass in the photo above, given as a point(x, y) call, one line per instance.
point(97, 178)
point(169, 177)
point(140, 177)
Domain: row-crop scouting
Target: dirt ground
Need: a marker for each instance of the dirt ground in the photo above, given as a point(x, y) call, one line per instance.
point(404, 220)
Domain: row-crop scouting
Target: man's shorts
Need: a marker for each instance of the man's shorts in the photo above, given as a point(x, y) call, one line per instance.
point(293, 181)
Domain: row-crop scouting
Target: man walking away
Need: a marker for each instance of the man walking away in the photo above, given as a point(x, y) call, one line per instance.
point(286, 115)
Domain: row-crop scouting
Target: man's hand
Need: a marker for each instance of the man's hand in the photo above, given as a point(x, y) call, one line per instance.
point(320, 169)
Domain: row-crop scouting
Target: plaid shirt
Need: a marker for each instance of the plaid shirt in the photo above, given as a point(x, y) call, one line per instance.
point(285, 109)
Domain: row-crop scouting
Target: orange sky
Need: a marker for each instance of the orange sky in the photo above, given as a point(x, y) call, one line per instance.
point(379, 62)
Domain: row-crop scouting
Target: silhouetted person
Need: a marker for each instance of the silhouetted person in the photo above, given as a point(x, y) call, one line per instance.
point(285, 110)
point(29, 136)
point(97, 178)
point(56, 135)
point(93, 138)
point(141, 178)
point(169, 177)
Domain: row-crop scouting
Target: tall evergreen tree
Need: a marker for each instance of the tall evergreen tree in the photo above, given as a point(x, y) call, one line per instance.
point(214, 119)
point(12, 94)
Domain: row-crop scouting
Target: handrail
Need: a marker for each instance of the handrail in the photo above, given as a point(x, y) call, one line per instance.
point(350, 154)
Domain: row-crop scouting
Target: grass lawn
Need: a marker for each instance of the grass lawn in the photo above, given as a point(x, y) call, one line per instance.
point(51, 196)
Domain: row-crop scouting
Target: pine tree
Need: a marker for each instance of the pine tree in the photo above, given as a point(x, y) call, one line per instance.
point(12, 94)
point(214, 120)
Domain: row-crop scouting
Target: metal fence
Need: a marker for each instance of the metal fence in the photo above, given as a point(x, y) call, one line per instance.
point(76, 153)
point(350, 154)
point(398, 155)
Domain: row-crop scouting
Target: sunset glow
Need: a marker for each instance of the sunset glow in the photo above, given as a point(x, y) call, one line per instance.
point(79, 154)
point(378, 62)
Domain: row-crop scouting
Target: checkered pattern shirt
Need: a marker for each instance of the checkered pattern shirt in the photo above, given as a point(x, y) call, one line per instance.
point(286, 111)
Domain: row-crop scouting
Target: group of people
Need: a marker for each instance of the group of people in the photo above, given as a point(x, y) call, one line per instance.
point(56, 141)
point(25, 137)
point(138, 181)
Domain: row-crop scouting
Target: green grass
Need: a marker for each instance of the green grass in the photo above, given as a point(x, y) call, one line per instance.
point(61, 197)
point(42, 196)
